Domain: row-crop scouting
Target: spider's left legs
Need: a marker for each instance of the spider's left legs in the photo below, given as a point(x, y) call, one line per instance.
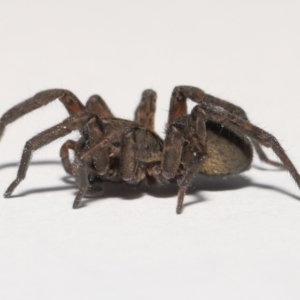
point(191, 155)
point(145, 112)
point(42, 139)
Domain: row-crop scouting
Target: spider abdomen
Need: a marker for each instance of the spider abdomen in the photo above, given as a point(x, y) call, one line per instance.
point(227, 152)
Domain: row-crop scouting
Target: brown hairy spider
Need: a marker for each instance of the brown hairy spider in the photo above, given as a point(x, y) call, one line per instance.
point(216, 138)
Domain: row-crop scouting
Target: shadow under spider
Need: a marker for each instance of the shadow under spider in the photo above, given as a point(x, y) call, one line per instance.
point(33, 163)
point(130, 192)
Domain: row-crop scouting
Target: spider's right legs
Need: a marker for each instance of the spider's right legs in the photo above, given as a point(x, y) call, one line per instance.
point(69, 100)
point(145, 112)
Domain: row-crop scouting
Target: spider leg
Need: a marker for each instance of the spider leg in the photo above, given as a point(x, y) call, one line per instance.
point(178, 107)
point(69, 100)
point(221, 116)
point(191, 155)
point(82, 181)
point(145, 112)
point(129, 157)
point(78, 169)
point(263, 157)
point(98, 150)
point(101, 161)
point(64, 154)
point(72, 123)
point(97, 105)
point(99, 155)
point(239, 112)
point(172, 152)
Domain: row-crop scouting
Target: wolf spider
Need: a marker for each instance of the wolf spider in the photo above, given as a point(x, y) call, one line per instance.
point(216, 138)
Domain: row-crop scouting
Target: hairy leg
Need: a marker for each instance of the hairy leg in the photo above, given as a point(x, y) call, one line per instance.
point(82, 181)
point(97, 105)
point(98, 146)
point(129, 157)
point(64, 155)
point(69, 100)
point(223, 117)
point(178, 107)
point(145, 112)
point(191, 155)
point(44, 138)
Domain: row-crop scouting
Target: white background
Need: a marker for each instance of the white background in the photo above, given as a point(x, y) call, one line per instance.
point(237, 238)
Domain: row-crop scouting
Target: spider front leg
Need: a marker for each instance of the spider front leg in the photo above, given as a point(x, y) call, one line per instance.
point(69, 100)
point(42, 139)
point(184, 145)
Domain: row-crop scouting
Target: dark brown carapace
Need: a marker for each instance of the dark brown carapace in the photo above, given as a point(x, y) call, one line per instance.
point(216, 138)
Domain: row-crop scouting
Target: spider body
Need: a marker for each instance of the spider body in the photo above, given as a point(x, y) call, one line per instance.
point(216, 138)
point(226, 152)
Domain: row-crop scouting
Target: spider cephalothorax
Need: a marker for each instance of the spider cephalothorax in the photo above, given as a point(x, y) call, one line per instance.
point(216, 138)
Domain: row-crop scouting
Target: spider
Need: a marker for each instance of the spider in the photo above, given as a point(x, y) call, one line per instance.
point(216, 138)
